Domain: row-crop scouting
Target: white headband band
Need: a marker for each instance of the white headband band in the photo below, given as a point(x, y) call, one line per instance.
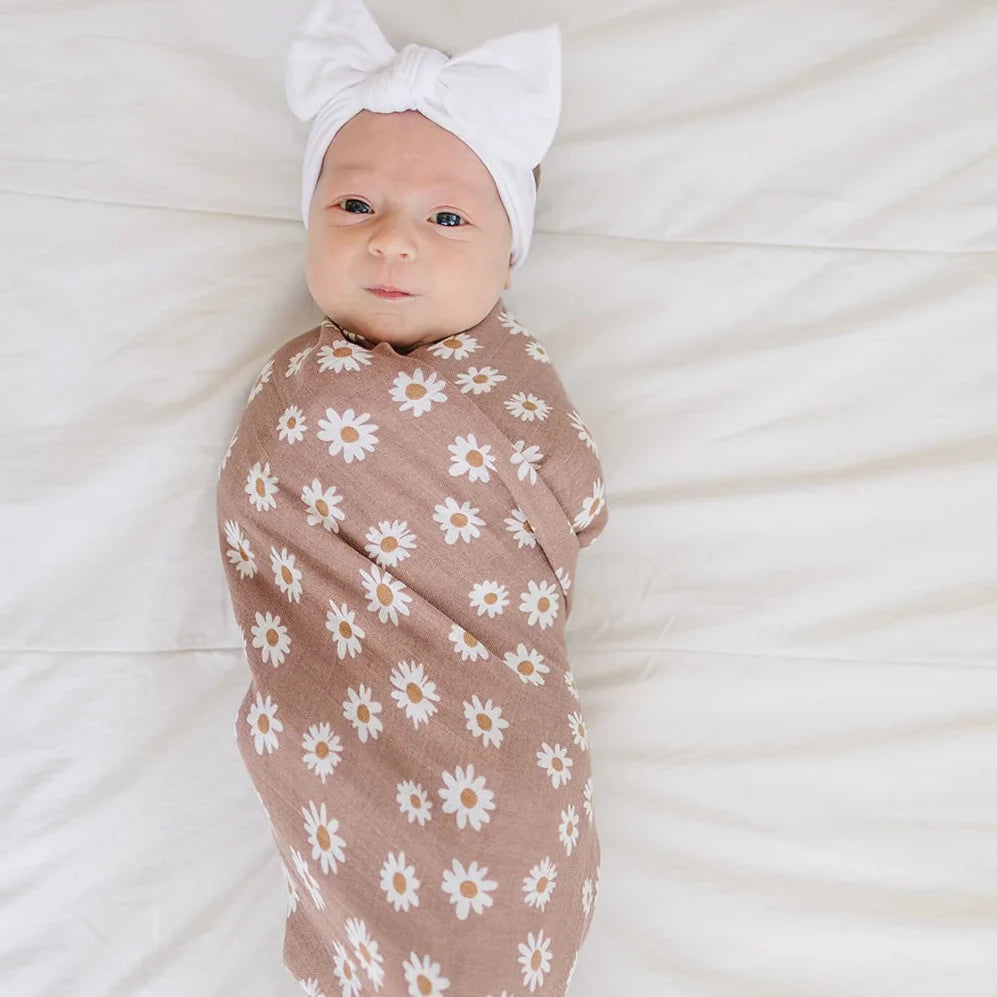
point(501, 98)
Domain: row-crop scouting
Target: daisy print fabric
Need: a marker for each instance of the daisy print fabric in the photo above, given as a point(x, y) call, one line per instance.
point(400, 531)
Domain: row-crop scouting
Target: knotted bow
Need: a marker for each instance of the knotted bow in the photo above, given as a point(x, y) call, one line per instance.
point(501, 98)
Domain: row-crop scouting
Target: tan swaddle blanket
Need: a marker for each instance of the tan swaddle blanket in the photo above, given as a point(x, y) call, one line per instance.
point(400, 532)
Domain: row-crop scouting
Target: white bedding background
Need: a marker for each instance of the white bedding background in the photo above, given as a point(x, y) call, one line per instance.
point(765, 265)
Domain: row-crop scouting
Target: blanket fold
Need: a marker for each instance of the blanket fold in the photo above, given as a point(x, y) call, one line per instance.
point(400, 532)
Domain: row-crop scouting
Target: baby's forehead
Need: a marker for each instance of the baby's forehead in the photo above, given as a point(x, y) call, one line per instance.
point(407, 146)
point(433, 179)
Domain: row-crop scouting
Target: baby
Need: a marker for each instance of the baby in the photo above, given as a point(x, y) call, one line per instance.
point(400, 514)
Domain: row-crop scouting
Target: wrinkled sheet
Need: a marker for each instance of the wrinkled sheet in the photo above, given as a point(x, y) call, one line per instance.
point(764, 262)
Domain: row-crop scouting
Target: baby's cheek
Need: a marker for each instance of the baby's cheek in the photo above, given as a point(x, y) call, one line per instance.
point(320, 270)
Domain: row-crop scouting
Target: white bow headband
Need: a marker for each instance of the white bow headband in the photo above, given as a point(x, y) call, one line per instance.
point(502, 98)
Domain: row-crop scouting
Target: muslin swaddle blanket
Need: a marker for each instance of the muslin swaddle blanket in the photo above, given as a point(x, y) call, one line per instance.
point(400, 531)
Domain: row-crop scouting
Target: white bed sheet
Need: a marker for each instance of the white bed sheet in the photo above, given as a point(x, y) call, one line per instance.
point(764, 265)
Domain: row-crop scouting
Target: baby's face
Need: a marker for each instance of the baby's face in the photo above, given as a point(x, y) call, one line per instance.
point(402, 202)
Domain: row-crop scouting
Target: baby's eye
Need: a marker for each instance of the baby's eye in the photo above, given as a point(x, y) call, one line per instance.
point(449, 214)
point(354, 200)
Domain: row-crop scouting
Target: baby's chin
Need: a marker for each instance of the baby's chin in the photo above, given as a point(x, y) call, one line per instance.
point(402, 323)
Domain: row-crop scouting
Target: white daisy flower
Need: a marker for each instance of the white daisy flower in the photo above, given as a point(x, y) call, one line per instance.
point(366, 949)
point(345, 971)
point(467, 797)
point(327, 846)
point(342, 355)
point(527, 664)
point(306, 877)
point(488, 597)
point(591, 507)
point(467, 645)
point(535, 959)
point(564, 577)
point(577, 725)
point(485, 721)
point(536, 351)
point(458, 521)
point(584, 433)
point(424, 977)
point(361, 711)
point(515, 328)
point(348, 433)
point(539, 884)
point(309, 881)
point(413, 692)
point(264, 725)
point(295, 363)
point(228, 454)
point(285, 575)
point(323, 505)
point(556, 763)
point(292, 891)
point(416, 393)
point(272, 638)
point(587, 801)
point(389, 543)
point(413, 801)
point(467, 888)
point(240, 552)
point(323, 750)
point(399, 882)
point(569, 681)
point(521, 529)
point(587, 895)
point(478, 379)
point(527, 406)
point(540, 603)
point(467, 457)
point(458, 347)
point(291, 425)
point(261, 379)
point(261, 487)
point(386, 596)
point(341, 621)
point(568, 829)
point(526, 459)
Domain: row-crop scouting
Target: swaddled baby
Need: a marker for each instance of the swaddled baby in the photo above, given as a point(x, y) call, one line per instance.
point(400, 513)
